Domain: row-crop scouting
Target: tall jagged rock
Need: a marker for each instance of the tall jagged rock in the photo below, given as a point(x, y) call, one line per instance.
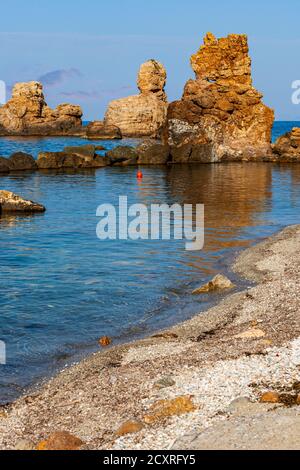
point(221, 115)
point(143, 114)
point(27, 113)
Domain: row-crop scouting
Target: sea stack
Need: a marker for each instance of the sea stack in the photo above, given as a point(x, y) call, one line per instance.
point(143, 114)
point(27, 113)
point(221, 115)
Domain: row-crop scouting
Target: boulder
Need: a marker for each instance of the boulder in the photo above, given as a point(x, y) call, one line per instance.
point(221, 115)
point(27, 113)
point(219, 282)
point(20, 161)
point(85, 151)
point(123, 156)
point(5, 165)
point(153, 152)
point(10, 202)
point(143, 114)
point(287, 147)
point(60, 441)
point(61, 160)
point(99, 130)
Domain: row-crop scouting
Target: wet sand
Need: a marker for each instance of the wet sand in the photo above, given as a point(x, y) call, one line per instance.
point(204, 360)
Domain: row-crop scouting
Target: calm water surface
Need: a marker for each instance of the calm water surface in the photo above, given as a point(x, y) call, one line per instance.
point(61, 288)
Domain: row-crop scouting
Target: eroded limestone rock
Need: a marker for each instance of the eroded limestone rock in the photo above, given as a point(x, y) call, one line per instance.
point(221, 115)
point(27, 113)
point(287, 147)
point(143, 114)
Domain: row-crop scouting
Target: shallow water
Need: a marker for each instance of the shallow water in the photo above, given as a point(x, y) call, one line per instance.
point(61, 288)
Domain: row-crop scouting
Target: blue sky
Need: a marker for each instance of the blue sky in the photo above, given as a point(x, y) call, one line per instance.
point(88, 53)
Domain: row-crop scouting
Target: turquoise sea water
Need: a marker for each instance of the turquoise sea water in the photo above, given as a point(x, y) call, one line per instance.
point(61, 288)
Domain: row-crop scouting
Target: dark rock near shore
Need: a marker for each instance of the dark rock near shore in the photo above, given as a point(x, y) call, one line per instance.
point(10, 202)
point(60, 160)
point(153, 152)
point(123, 156)
point(22, 161)
point(5, 165)
point(102, 131)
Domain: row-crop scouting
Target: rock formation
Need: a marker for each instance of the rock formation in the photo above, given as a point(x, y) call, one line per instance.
point(99, 130)
point(73, 158)
point(287, 147)
point(10, 202)
point(143, 114)
point(27, 113)
point(221, 115)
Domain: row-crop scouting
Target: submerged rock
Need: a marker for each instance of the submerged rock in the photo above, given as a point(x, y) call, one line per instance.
point(27, 113)
point(219, 282)
point(10, 202)
point(105, 341)
point(143, 114)
point(99, 130)
point(287, 147)
point(221, 115)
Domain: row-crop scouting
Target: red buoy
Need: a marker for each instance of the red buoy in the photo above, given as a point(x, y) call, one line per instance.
point(140, 175)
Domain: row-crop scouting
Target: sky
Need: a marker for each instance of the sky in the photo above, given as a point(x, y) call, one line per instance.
point(89, 53)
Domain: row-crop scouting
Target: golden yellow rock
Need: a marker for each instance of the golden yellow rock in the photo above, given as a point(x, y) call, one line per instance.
point(166, 408)
point(254, 333)
point(105, 341)
point(221, 115)
point(130, 427)
point(219, 282)
point(270, 397)
point(60, 441)
point(27, 113)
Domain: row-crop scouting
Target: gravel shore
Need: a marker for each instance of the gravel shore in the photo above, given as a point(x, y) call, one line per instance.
point(196, 386)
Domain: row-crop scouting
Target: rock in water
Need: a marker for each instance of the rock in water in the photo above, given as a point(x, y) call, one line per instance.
point(99, 130)
point(27, 113)
point(219, 282)
point(5, 165)
point(10, 202)
point(22, 161)
point(153, 152)
point(143, 114)
point(287, 147)
point(221, 115)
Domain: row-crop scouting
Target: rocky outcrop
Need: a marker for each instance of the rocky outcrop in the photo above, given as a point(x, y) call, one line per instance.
point(153, 152)
point(287, 147)
point(72, 158)
point(99, 130)
point(27, 113)
point(10, 202)
point(20, 161)
point(221, 115)
point(123, 156)
point(143, 114)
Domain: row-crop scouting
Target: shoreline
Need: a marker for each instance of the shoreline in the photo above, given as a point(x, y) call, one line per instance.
point(93, 398)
